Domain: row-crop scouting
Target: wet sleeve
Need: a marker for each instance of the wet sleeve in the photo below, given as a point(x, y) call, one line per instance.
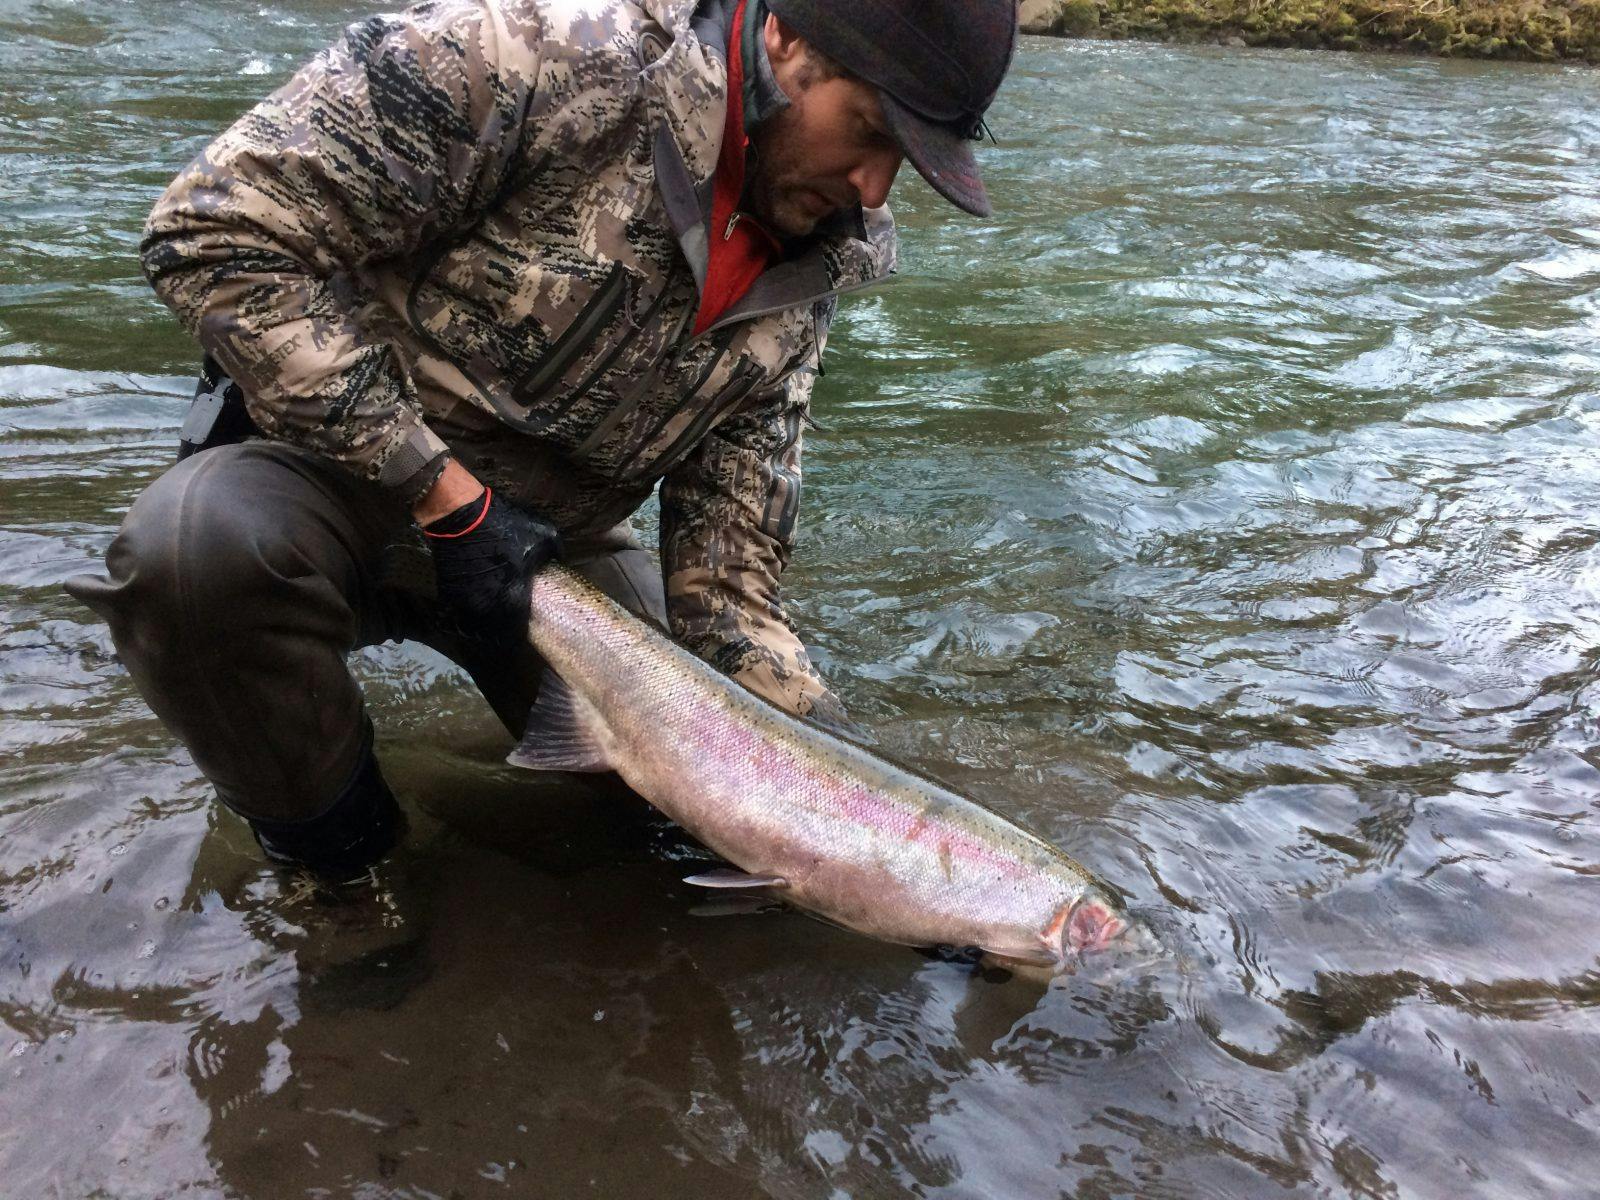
point(397, 136)
point(728, 519)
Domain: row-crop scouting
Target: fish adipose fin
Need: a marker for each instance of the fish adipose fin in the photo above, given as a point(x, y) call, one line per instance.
point(735, 879)
point(559, 735)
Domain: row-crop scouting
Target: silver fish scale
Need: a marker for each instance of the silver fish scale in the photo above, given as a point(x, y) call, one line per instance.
point(858, 840)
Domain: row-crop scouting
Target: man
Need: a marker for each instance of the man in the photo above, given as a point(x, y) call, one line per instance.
point(475, 282)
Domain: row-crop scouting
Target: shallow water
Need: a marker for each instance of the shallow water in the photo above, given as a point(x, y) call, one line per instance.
point(1225, 509)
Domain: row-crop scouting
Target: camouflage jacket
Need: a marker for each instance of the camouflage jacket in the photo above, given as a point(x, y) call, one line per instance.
point(480, 228)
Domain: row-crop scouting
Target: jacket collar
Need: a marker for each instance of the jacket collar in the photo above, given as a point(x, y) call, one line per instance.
point(836, 260)
point(763, 98)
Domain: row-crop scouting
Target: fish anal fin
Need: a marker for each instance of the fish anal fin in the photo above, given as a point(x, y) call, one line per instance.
point(725, 878)
point(560, 734)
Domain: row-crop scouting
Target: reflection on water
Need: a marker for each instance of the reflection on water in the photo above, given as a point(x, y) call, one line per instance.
point(1224, 509)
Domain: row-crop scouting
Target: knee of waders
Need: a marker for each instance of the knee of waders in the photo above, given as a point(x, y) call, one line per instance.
point(190, 545)
point(361, 826)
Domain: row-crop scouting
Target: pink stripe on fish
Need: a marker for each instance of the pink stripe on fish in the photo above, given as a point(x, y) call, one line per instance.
point(857, 802)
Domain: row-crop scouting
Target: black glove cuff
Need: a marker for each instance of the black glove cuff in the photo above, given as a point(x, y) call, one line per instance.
point(463, 520)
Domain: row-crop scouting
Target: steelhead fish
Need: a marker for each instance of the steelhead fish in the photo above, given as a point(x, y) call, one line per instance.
point(806, 816)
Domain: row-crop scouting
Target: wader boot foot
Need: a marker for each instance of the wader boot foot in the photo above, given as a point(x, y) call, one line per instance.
point(361, 827)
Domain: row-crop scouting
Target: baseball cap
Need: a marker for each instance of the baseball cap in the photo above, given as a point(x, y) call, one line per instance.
point(937, 65)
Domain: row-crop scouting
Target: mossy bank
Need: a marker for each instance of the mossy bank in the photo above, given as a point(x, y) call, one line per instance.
point(1538, 30)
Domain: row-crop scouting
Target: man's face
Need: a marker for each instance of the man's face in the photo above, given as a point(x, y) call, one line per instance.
point(829, 150)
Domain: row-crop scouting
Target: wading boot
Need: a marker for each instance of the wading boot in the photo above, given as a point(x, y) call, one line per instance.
point(362, 826)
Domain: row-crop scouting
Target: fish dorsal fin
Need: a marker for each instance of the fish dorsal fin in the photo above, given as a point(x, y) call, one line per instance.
point(561, 732)
point(726, 878)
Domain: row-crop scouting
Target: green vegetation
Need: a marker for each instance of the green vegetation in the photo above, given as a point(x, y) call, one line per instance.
point(1541, 30)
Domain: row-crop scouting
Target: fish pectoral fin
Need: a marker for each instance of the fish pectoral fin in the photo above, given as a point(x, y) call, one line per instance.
point(1031, 952)
point(560, 733)
point(726, 878)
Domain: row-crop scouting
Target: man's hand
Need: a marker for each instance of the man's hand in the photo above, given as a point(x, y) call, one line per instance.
point(485, 550)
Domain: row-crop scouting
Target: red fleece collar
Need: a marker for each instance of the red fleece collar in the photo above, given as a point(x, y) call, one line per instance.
point(741, 248)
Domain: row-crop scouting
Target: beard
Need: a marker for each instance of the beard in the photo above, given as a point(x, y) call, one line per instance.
point(781, 193)
point(784, 210)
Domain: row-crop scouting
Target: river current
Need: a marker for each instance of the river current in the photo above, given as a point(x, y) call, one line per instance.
point(1227, 508)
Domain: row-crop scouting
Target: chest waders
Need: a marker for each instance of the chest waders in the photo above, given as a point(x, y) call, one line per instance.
point(239, 584)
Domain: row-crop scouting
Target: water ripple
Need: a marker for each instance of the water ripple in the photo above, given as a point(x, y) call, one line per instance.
point(1223, 507)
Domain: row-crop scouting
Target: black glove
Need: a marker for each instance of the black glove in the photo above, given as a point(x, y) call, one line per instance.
point(484, 554)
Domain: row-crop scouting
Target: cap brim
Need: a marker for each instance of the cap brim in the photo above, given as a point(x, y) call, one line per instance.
point(941, 156)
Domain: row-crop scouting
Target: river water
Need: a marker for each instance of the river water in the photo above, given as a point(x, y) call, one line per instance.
point(1226, 509)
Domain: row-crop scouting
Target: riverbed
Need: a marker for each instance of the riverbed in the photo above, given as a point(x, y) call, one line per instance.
point(1225, 508)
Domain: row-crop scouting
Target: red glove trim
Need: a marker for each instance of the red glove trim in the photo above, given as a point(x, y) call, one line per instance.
point(488, 494)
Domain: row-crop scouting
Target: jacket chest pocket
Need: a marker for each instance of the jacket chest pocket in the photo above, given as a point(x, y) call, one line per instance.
point(586, 328)
point(535, 338)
